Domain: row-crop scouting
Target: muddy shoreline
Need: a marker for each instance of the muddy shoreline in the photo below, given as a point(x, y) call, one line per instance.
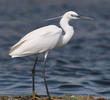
point(65, 97)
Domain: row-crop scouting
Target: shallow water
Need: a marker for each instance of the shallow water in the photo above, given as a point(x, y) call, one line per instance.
point(81, 67)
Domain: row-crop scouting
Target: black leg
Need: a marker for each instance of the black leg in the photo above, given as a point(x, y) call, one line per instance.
point(33, 79)
point(45, 57)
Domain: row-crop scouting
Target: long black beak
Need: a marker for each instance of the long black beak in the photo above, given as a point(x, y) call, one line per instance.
point(85, 18)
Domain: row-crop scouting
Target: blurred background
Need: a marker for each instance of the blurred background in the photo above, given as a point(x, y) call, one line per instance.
point(80, 68)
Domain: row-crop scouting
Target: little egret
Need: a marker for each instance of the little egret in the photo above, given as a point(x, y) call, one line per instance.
point(43, 40)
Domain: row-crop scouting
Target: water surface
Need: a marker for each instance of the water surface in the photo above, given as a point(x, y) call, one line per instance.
point(80, 68)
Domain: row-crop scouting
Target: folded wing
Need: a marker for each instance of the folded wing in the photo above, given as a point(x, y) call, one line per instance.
point(37, 41)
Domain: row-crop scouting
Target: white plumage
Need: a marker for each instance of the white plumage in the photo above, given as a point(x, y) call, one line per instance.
point(43, 40)
point(37, 41)
point(46, 38)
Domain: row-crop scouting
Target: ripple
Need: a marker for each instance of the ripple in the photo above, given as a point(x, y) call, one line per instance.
point(103, 82)
point(70, 86)
point(81, 67)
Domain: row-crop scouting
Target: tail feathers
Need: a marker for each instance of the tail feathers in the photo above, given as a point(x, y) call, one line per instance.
point(13, 54)
point(13, 49)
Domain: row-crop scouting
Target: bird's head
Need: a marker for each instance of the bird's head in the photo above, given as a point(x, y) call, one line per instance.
point(70, 15)
point(73, 15)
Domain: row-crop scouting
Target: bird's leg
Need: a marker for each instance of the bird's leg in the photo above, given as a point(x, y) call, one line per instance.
point(33, 78)
point(45, 57)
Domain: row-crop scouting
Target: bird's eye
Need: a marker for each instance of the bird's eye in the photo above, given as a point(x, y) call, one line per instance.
point(72, 15)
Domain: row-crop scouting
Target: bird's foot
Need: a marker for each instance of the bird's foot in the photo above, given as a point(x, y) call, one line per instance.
point(41, 98)
point(36, 98)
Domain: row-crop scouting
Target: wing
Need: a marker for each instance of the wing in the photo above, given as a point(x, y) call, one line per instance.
point(38, 41)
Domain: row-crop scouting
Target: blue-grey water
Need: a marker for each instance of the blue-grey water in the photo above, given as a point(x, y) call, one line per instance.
point(82, 67)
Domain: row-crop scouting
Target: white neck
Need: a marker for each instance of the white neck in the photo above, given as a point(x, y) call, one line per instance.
point(64, 23)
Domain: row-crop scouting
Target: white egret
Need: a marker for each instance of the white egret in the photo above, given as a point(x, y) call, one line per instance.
point(45, 39)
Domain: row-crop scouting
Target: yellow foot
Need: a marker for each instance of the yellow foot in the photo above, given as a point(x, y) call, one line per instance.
point(40, 98)
point(36, 98)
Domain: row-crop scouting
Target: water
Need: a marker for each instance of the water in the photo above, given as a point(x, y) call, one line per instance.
point(80, 68)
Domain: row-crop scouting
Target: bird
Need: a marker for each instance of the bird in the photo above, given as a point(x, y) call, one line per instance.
point(43, 40)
